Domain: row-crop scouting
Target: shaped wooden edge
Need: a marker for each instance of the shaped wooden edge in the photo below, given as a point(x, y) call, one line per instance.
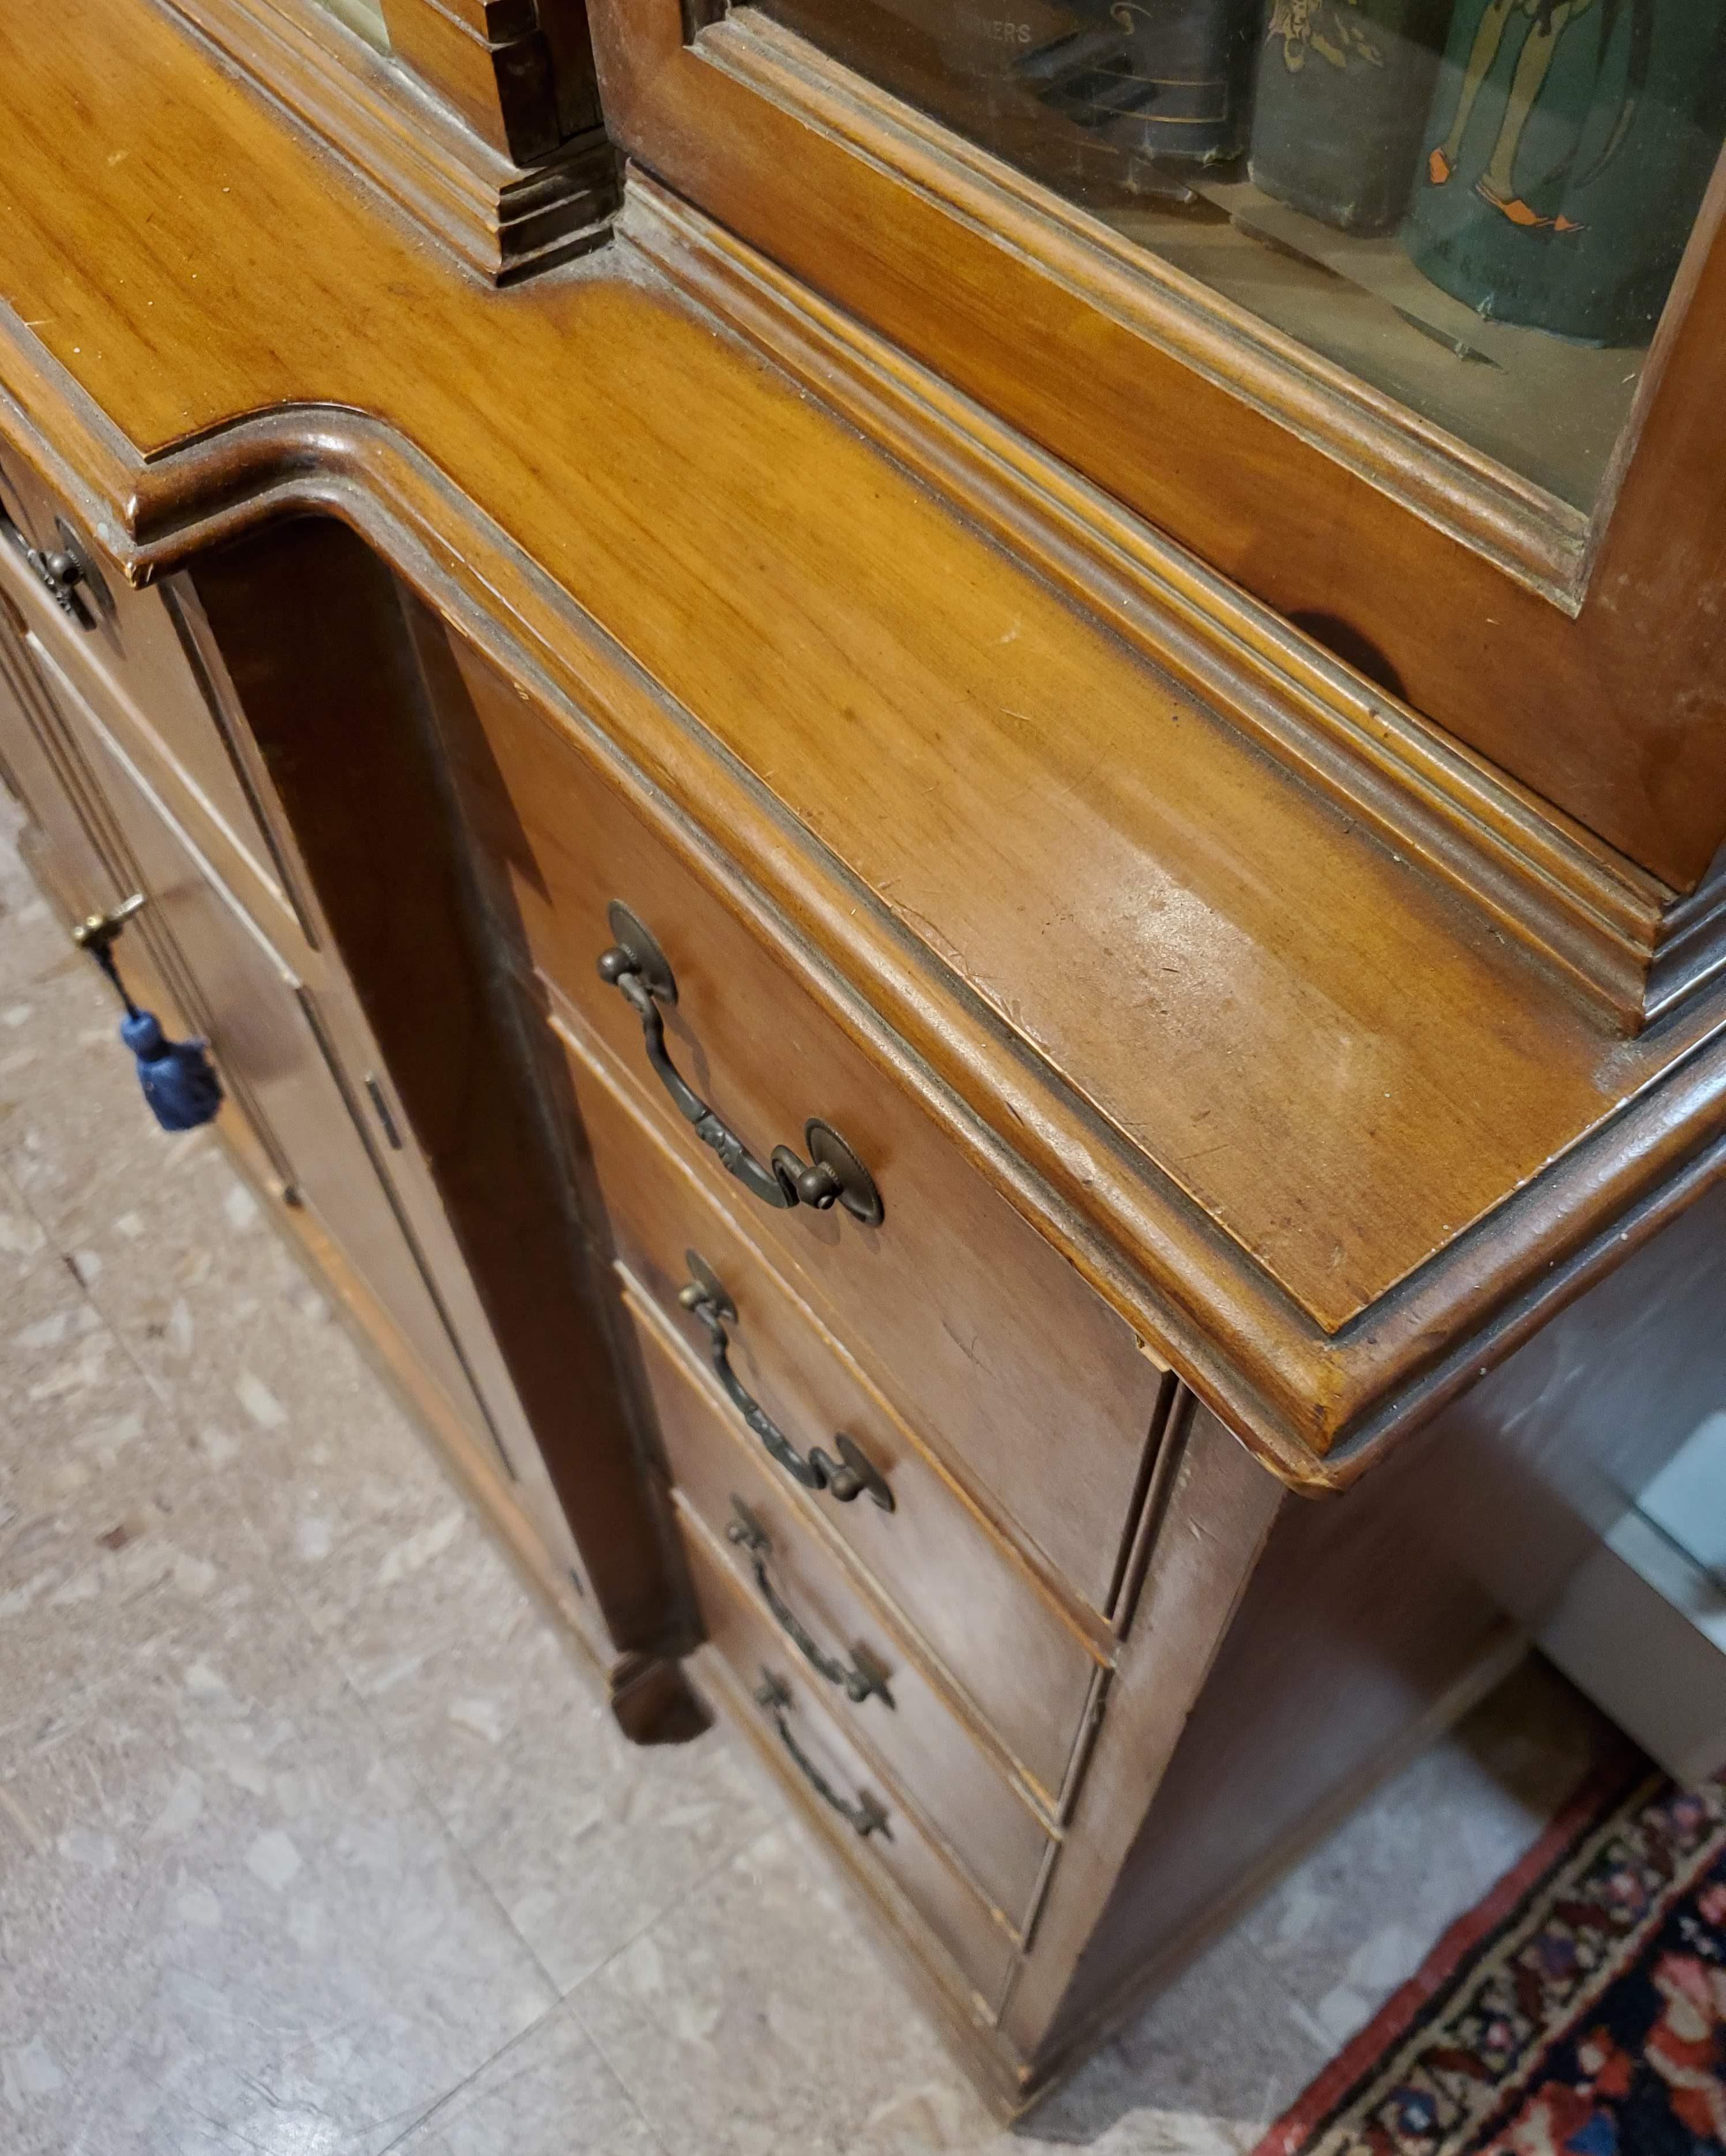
point(1317, 1410)
point(504, 221)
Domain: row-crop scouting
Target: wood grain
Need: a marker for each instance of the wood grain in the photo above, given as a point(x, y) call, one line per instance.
point(970, 1323)
point(1167, 1035)
point(1316, 495)
point(1540, 875)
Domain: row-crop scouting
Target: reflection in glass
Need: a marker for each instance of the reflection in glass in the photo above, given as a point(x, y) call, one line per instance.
point(1478, 206)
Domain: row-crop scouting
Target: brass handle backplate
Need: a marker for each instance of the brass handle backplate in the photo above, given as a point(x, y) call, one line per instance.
point(833, 1175)
point(864, 1815)
point(844, 1479)
point(858, 1679)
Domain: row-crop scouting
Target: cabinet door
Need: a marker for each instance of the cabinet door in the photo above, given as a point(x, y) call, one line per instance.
point(1406, 315)
point(112, 835)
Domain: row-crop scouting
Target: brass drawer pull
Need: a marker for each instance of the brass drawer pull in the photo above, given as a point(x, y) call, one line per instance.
point(704, 1298)
point(640, 970)
point(865, 1815)
point(858, 1679)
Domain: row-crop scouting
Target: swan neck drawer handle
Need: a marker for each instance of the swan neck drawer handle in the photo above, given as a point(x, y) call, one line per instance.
point(639, 971)
point(858, 1679)
point(864, 1815)
point(844, 1479)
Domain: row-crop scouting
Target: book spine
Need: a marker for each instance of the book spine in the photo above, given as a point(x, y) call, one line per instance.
point(1343, 89)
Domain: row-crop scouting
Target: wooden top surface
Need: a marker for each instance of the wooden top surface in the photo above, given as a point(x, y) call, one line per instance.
point(1281, 1031)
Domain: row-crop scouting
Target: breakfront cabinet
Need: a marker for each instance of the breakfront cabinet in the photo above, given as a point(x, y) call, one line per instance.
point(945, 792)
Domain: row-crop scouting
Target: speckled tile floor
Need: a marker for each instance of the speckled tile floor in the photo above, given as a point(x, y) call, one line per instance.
point(314, 1841)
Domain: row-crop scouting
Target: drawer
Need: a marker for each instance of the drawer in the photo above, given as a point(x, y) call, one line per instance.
point(994, 1628)
point(897, 1850)
point(887, 1705)
point(966, 1319)
point(125, 656)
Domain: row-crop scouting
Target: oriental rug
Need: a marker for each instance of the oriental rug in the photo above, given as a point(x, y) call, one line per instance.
point(1579, 2009)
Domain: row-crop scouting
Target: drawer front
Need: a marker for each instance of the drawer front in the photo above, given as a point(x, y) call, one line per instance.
point(905, 1722)
point(995, 1631)
point(754, 1657)
point(125, 653)
point(967, 1320)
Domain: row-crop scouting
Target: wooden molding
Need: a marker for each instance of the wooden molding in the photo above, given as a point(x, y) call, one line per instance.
point(1528, 533)
point(1691, 949)
point(492, 63)
point(1535, 873)
point(503, 219)
point(1567, 650)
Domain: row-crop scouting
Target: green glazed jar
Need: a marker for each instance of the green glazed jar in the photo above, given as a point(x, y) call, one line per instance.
point(1567, 151)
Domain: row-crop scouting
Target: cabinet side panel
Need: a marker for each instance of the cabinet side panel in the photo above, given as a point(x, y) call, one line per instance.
point(1353, 1631)
point(1374, 1619)
point(1542, 1459)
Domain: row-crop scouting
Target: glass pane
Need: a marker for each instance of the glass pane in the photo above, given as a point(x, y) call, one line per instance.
point(1478, 206)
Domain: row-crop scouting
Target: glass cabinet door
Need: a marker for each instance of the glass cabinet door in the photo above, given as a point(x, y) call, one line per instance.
point(1478, 206)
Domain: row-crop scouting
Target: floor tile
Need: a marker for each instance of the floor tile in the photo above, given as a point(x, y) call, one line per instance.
point(584, 1839)
point(182, 1267)
point(229, 1924)
point(59, 1363)
point(1351, 1924)
point(23, 1241)
point(548, 2094)
point(1208, 2064)
point(754, 2019)
point(255, 1362)
point(32, 940)
point(75, 1130)
point(113, 1536)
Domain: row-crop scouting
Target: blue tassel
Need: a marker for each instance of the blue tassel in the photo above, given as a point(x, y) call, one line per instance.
point(178, 1081)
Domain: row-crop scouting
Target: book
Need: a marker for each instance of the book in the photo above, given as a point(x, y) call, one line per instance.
point(1104, 98)
point(1339, 120)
